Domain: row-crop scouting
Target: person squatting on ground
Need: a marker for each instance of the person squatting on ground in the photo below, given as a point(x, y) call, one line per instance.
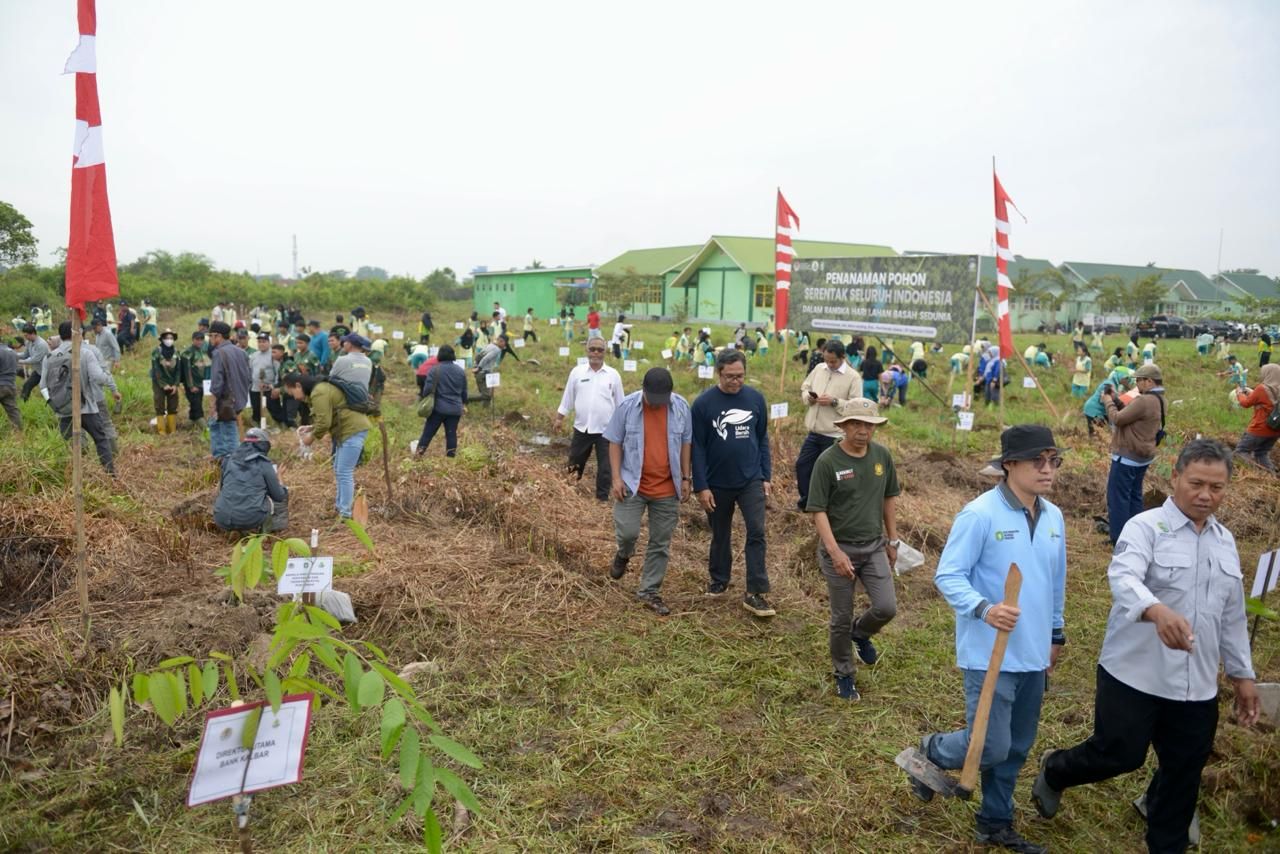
point(827, 387)
point(447, 380)
point(592, 392)
point(229, 385)
point(1011, 523)
point(732, 467)
point(1138, 428)
point(166, 380)
point(250, 496)
point(1259, 438)
point(853, 499)
point(346, 428)
point(1177, 610)
point(650, 438)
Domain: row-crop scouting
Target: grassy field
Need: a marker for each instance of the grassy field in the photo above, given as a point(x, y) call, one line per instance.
point(601, 727)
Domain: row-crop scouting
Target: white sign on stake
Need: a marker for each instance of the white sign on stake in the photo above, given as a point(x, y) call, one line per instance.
point(704, 372)
point(778, 410)
point(959, 401)
point(637, 345)
point(582, 360)
point(492, 380)
point(305, 575)
point(564, 351)
point(1028, 382)
point(224, 768)
point(208, 388)
point(315, 537)
point(965, 422)
point(375, 329)
point(629, 365)
point(1261, 582)
point(555, 321)
point(397, 334)
point(666, 354)
point(518, 343)
point(458, 325)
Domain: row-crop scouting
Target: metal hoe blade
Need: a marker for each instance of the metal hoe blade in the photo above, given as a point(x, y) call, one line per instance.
point(913, 762)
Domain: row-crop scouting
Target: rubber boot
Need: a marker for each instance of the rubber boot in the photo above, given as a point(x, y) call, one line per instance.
point(159, 425)
point(171, 423)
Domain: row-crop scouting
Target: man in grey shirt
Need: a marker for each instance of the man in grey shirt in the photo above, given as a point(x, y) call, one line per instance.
point(107, 344)
point(1178, 609)
point(9, 385)
point(32, 358)
point(487, 363)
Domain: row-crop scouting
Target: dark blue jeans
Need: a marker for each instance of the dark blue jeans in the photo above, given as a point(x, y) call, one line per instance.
point(1124, 495)
point(814, 445)
point(433, 425)
point(750, 500)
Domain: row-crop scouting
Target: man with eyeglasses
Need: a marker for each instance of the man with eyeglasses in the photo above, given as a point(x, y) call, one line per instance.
point(732, 467)
point(1011, 523)
point(593, 391)
point(1138, 430)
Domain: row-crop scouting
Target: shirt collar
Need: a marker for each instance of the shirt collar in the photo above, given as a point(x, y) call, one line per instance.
point(1013, 501)
point(844, 365)
point(1176, 518)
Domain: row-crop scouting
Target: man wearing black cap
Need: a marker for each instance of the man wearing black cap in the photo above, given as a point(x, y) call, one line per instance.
point(650, 436)
point(1012, 523)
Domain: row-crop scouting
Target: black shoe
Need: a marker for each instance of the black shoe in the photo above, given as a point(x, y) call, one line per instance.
point(1046, 798)
point(756, 604)
point(1007, 837)
point(654, 603)
point(717, 588)
point(846, 690)
point(866, 651)
point(619, 567)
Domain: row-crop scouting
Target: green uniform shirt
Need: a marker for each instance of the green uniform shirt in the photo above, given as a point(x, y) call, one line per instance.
point(197, 366)
point(852, 491)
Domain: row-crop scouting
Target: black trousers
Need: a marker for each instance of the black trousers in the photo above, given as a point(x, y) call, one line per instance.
point(580, 451)
point(31, 382)
point(276, 408)
point(432, 426)
point(814, 445)
point(1125, 722)
point(195, 405)
point(751, 501)
point(91, 423)
point(255, 404)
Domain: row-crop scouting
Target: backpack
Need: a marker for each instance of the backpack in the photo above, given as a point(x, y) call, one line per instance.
point(1273, 420)
point(1160, 434)
point(57, 368)
point(357, 396)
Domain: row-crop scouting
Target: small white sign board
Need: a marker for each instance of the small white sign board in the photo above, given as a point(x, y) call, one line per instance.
point(432, 351)
point(666, 354)
point(458, 325)
point(397, 334)
point(1147, 362)
point(564, 351)
point(629, 365)
point(208, 388)
point(376, 329)
point(705, 372)
point(492, 380)
point(1028, 382)
point(1260, 579)
point(637, 345)
point(224, 768)
point(555, 321)
point(959, 401)
point(778, 410)
point(305, 575)
point(518, 343)
point(965, 422)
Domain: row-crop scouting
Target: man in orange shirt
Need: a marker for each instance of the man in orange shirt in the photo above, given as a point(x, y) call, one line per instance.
point(650, 439)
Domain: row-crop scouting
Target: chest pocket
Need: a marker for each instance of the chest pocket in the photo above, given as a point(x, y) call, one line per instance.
point(1171, 568)
point(1226, 577)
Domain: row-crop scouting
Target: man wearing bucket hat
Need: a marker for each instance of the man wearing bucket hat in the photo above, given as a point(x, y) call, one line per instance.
point(1138, 429)
point(853, 497)
point(1011, 523)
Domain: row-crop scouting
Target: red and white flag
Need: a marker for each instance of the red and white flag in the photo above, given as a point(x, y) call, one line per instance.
point(1003, 257)
point(91, 248)
point(785, 253)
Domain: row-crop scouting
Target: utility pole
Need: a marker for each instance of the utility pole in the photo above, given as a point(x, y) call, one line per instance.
point(1220, 233)
point(295, 257)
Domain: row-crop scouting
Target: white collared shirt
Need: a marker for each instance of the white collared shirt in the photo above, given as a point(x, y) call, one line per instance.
point(592, 396)
point(1160, 558)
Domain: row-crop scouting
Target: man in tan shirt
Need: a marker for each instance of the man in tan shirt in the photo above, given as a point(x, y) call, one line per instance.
point(1139, 428)
point(829, 385)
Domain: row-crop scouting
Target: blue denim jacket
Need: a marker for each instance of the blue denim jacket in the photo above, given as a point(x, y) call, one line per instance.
point(626, 428)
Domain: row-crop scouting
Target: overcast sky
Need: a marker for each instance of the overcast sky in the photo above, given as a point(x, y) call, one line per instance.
point(421, 134)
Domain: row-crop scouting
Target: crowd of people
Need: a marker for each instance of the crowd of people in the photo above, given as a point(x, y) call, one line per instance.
point(653, 450)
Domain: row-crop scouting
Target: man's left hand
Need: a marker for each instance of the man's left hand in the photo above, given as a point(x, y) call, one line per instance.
point(1054, 652)
point(117, 396)
point(1248, 703)
point(891, 552)
point(768, 489)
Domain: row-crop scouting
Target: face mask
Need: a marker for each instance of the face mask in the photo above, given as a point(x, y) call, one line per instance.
point(168, 342)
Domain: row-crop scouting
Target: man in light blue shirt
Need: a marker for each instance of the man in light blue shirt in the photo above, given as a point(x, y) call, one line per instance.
point(1011, 523)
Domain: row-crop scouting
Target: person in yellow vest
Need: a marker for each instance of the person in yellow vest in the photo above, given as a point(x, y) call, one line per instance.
point(1083, 376)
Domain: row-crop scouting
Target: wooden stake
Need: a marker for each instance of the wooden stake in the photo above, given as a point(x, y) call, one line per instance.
point(77, 480)
point(386, 465)
point(782, 376)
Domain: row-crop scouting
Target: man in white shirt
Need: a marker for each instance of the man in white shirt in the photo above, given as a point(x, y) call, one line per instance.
point(829, 385)
point(1178, 609)
point(593, 391)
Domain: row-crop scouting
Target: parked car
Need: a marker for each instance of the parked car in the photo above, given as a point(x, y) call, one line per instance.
point(1218, 329)
point(1165, 326)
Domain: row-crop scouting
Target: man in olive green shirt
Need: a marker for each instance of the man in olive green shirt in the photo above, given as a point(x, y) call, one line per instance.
point(853, 499)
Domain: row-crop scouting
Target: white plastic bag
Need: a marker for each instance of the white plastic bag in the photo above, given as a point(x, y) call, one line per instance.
point(908, 559)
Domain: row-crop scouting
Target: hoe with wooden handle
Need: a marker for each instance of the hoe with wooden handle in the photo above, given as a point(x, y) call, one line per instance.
point(978, 733)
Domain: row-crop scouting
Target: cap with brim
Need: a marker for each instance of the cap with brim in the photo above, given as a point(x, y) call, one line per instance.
point(859, 409)
point(357, 341)
point(1025, 442)
point(262, 336)
point(302, 336)
point(657, 386)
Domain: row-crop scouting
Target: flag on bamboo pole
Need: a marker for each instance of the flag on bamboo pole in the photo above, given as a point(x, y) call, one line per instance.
point(91, 249)
point(788, 224)
point(1003, 257)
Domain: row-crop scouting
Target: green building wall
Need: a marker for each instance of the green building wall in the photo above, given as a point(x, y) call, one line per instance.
point(518, 290)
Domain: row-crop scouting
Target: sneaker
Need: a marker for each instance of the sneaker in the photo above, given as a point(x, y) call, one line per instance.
point(619, 567)
point(918, 787)
point(755, 603)
point(866, 651)
point(717, 588)
point(1045, 797)
point(654, 603)
point(846, 690)
point(1193, 832)
point(1007, 837)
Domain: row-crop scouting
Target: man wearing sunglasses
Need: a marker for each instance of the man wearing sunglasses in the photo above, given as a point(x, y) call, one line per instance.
point(1012, 523)
point(593, 391)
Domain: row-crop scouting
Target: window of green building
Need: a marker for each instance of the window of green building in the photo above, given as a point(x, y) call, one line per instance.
point(764, 290)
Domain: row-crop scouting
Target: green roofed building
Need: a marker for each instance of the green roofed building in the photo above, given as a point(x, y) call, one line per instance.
point(1237, 287)
point(544, 289)
point(636, 281)
point(1189, 293)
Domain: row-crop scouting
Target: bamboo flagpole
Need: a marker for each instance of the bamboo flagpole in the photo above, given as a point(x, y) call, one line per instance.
point(77, 477)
